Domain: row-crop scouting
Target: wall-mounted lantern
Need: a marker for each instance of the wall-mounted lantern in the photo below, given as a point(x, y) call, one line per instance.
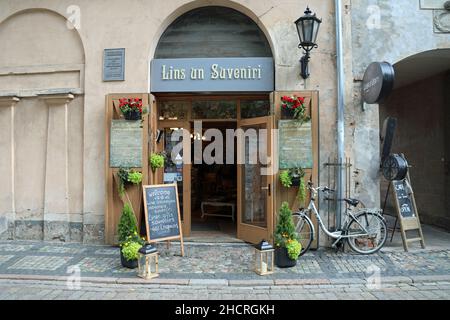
point(307, 29)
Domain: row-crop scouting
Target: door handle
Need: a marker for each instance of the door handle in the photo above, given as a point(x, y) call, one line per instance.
point(267, 188)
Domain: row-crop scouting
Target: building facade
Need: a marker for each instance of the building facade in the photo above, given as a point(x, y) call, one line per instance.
point(52, 95)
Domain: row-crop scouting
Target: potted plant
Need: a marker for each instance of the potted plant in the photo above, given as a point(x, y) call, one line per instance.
point(294, 108)
point(285, 179)
point(156, 161)
point(129, 252)
point(131, 108)
point(287, 246)
point(128, 176)
point(294, 178)
point(129, 240)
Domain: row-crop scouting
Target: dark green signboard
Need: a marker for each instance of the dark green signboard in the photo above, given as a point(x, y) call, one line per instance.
point(295, 144)
point(126, 144)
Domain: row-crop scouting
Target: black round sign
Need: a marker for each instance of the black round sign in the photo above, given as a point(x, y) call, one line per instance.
point(378, 82)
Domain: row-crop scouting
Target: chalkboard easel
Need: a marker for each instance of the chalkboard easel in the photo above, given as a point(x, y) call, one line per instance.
point(162, 214)
point(407, 211)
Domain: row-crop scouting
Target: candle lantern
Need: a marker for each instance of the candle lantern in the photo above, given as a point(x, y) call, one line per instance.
point(148, 262)
point(264, 258)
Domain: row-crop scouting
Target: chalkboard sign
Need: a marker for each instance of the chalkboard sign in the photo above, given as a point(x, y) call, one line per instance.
point(162, 213)
point(403, 195)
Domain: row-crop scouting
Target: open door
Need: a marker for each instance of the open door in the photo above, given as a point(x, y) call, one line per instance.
point(177, 169)
point(255, 179)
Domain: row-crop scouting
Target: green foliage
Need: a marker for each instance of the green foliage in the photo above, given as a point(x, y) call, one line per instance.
point(156, 161)
point(123, 178)
point(285, 179)
point(128, 176)
point(285, 230)
point(301, 194)
point(130, 250)
point(294, 248)
point(127, 224)
point(135, 177)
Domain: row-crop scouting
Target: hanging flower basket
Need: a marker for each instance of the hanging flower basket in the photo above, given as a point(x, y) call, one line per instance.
point(132, 115)
point(294, 108)
point(131, 108)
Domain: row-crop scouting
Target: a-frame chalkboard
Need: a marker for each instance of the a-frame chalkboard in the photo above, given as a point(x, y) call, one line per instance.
point(162, 213)
point(407, 211)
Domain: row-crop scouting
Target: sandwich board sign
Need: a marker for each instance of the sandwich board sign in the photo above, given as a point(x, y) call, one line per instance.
point(162, 213)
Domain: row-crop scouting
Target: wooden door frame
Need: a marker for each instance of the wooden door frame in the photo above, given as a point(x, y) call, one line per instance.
point(186, 221)
point(185, 123)
point(245, 231)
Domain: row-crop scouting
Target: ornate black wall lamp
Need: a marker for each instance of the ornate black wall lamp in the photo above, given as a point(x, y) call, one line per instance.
point(308, 29)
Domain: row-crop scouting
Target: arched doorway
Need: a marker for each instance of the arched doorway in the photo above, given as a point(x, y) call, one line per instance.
point(421, 104)
point(213, 67)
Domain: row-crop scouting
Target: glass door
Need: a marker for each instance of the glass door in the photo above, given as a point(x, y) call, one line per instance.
point(174, 133)
point(255, 179)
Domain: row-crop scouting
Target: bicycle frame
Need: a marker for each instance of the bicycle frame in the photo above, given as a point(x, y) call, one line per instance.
point(340, 234)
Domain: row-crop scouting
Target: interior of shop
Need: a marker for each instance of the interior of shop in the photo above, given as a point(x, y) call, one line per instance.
point(214, 192)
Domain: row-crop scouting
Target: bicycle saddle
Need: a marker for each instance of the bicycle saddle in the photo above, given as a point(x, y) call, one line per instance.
point(352, 202)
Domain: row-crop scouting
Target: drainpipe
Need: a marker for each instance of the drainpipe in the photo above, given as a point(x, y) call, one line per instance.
point(340, 113)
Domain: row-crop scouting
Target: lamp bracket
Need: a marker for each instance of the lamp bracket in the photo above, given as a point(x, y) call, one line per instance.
point(304, 62)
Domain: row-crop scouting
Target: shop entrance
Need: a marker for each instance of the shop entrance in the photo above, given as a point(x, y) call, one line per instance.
point(224, 189)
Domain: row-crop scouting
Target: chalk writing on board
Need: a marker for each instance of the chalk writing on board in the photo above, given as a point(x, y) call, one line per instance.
point(403, 196)
point(162, 212)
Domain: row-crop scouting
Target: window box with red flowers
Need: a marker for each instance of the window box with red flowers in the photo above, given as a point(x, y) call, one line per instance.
point(294, 108)
point(131, 108)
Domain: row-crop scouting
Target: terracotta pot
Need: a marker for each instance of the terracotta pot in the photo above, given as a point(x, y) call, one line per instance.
point(282, 259)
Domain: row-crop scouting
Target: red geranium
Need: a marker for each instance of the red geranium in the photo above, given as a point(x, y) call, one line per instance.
point(296, 104)
point(130, 105)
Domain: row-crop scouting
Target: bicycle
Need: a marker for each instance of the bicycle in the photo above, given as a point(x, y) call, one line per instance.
point(364, 230)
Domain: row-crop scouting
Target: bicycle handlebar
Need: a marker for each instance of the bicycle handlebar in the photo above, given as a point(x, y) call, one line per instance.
point(315, 190)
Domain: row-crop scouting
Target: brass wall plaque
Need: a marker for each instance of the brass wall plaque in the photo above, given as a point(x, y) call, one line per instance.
point(295, 144)
point(125, 144)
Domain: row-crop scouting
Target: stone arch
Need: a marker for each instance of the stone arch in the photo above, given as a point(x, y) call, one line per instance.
point(420, 102)
point(36, 26)
point(42, 64)
point(203, 3)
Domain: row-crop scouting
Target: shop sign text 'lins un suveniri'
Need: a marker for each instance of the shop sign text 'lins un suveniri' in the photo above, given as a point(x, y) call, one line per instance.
point(212, 75)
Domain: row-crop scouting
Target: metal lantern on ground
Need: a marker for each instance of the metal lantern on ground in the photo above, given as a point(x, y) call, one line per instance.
point(264, 258)
point(148, 262)
point(307, 29)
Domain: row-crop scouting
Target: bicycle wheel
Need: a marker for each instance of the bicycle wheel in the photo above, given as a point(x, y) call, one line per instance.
point(372, 232)
point(305, 231)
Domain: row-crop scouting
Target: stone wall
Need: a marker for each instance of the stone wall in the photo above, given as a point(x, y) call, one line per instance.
point(381, 31)
point(52, 59)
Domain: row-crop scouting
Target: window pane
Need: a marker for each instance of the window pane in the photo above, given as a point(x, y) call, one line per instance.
point(254, 182)
point(173, 110)
point(219, 109)
point(173, 168)
point(254, 108)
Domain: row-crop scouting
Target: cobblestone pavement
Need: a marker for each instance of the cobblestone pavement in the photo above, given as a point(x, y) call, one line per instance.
point(43, 270)
point(54, 290)
point(215, 261)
